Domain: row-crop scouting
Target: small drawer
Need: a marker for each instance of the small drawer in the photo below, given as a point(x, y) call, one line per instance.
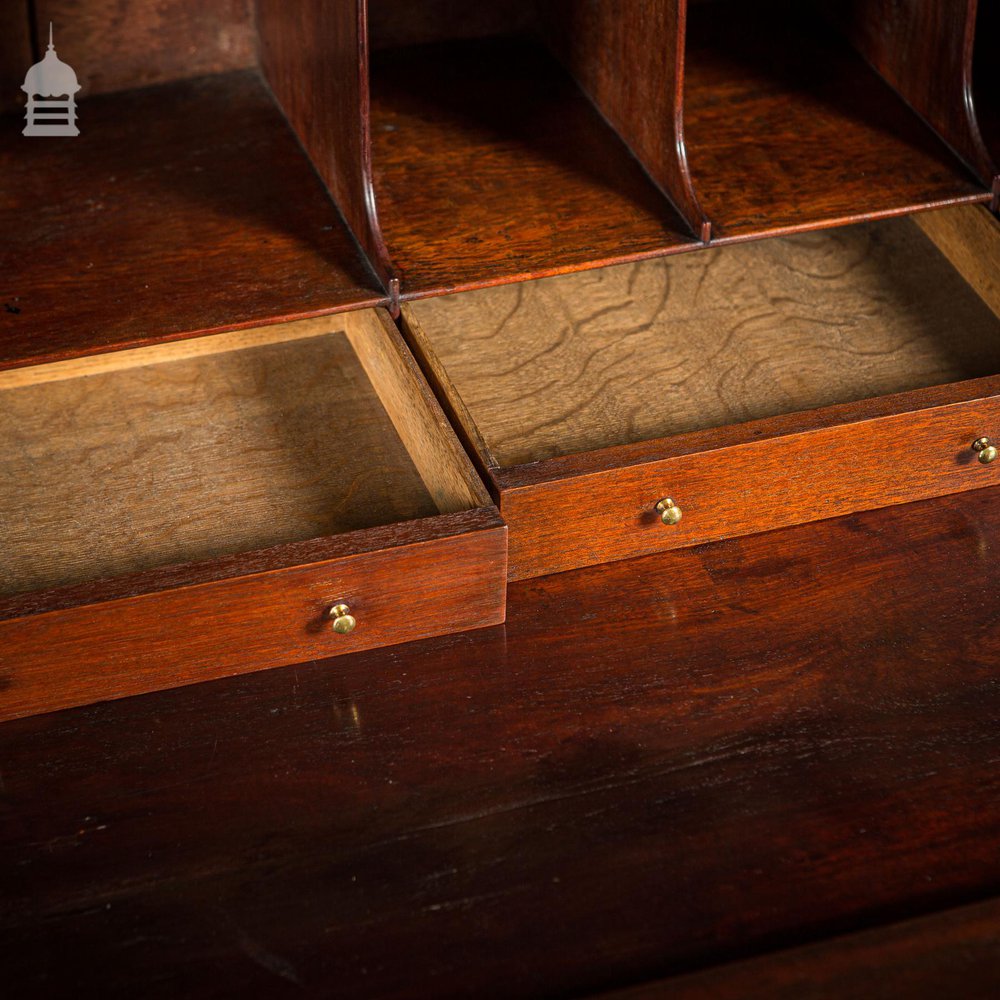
point(191, 510)
point(753, 386)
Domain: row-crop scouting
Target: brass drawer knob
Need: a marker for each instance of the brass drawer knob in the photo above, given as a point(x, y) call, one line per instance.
point(670, 513)
point(983, 447)
point(343, 620)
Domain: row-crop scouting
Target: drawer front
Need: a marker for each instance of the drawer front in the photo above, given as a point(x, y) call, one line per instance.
point(134, 645)
point(749, 488)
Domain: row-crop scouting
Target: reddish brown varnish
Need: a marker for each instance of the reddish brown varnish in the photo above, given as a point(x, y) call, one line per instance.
point(211, 220)
point(654, 767)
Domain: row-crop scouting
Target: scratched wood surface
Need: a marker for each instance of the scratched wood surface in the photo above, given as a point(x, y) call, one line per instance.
point(191, 458)
point(654, 767)
point(579, 362)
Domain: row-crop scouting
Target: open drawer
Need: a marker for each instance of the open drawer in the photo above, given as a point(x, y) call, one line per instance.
point(753, 386)
point(189, 510)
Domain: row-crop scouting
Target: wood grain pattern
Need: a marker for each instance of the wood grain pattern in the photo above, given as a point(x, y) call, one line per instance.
point(629, 59)
point(787, 129)
point(580, 362)
point(954, 951)
point(315, 57)
point(490, 165)
point(15, 53)
point(924, 49)
point(423, 587)
point(120, 44)
point(769, 483)
point(212, 220)
point(430, 442)
point(184, 461)
point(655, 766)
point(969, 236)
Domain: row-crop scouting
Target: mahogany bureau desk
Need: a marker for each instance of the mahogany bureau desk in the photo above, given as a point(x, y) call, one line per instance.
point(341, 320)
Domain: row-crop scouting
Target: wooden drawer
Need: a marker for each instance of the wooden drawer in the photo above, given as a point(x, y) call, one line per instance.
point(755, 385)
point(195, 509)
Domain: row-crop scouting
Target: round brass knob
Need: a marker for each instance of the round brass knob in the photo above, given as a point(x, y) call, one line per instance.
point(670, 513)
point(985, 450)
point(343, 620)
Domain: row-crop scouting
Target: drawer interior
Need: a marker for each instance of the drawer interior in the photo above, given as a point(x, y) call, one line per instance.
point(191, 450)
point(636, 352)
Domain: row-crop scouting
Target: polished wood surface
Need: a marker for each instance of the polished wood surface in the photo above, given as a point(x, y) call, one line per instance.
point(850, 459)
point(903, 39)
point(120, 44)
point(786, 128)
point(628, 57)
point(952, 953)
point(580, 362)
point(490, 164)
point(16, 53)
point(314, 55)
point(401, 582)
point(179, 210)
point(654, 767)
point(986, 84)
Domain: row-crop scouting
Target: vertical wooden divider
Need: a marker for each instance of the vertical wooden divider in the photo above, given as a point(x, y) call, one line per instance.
point(924, 49)
point(628, 56)
point(986, 84)
point(314, 54)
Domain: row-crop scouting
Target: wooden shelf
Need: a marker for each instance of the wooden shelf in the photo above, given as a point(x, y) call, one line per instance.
point(490, 164)
point(789, 129)
point(180, 209)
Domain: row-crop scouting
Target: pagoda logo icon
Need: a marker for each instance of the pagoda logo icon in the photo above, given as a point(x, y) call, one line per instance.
point(56, 84)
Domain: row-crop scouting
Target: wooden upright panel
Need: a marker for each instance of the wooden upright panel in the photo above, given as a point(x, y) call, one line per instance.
point(629, 57)
point(923, 48)
point(115, 46)
point(315, 56)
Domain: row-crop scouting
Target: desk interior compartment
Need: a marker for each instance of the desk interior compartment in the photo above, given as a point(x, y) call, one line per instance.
point(589, 397)
point(798, 116)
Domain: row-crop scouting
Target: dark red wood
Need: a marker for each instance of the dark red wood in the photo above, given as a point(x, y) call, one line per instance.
point(15, 53)
point(788, 129)
point(629, 59)
point(955, 952)
point(655, 766)
point(987, 83)
point(120, 44)
point(924, 48)
point(490, 165)
point(315, 56)
point(182, 209)
point(188, 624)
